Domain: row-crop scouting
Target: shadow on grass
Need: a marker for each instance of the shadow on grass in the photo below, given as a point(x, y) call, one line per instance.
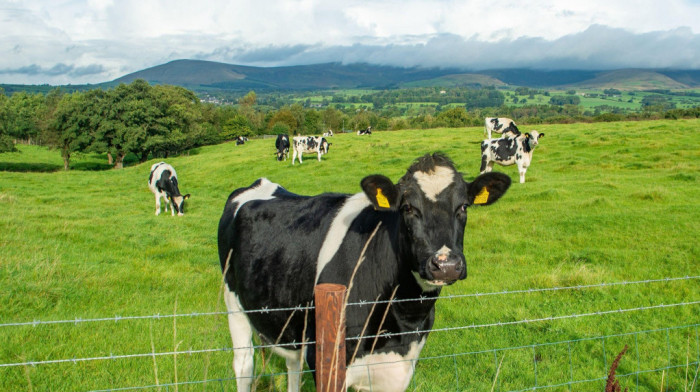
point(29, 167)
point(49, 167)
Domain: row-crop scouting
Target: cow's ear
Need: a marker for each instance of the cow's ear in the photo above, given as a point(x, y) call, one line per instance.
point(487, 188)
point(381, 192)
point(527, 135)
point(187, 196)
point(541, 134)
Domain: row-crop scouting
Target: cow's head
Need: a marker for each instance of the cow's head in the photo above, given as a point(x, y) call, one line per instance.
point(178, 203)
point(533, 138)
point(432, 200)
point(325, 146)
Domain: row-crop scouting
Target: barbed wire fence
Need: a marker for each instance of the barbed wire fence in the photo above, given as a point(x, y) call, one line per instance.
point(538, 378)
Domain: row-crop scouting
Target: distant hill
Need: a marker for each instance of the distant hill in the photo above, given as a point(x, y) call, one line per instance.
point(208, 76)
point(200, 75)
point(636, 79)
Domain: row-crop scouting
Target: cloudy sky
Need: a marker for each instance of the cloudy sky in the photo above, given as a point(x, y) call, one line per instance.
point(92, 41)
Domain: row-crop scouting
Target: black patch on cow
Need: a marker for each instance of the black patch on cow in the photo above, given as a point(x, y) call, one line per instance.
point(282, 145)
point(504, 149)
point(495, 184)
point(381, 191)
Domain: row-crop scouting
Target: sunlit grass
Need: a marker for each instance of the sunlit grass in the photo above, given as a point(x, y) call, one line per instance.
point(606, 202)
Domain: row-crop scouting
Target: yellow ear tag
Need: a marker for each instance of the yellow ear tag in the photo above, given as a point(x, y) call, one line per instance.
point(382, 201)
point(482, 197)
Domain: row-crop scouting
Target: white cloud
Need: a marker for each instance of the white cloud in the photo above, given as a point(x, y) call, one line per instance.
point(110, 38)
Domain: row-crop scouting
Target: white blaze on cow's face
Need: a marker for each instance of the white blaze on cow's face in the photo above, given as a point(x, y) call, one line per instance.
point(534, 138)
point(433, 183)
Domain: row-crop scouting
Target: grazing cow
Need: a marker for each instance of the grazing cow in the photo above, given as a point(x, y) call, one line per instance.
point(241, 140)
point(282, 145)
point(417, 249)
point(510, 150)
point(502, 125)
point(328, 134)
point(367, 131)
point(308, 145)
point(163, 183)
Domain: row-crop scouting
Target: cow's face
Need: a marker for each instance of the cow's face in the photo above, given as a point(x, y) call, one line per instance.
point(179, 203)
point(533, 138)
point(325, 146)
point(432, 200)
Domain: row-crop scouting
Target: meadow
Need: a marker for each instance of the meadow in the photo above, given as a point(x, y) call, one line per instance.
point(597, 250)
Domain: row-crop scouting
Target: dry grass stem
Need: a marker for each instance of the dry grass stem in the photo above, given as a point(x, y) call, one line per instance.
point(153, 351)
point(498, 371)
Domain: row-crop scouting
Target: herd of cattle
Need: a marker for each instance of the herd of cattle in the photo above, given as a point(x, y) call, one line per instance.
point(411, 233)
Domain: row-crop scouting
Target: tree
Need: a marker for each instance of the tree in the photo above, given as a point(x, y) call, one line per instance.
point(455, 117)
point(286, 117)
point(69, 131)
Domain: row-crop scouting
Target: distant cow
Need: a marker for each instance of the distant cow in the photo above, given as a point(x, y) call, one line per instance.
point(241, 140)
point(275, 246)
point(163, 183)
point(328, 134)
point(282, 145)
point(367, 131)
point(510, 150)
point(308, 145)
point(502, 125)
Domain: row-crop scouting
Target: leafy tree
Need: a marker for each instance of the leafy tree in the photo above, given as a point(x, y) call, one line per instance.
point(6, 142)
point(455, 117)
point(284, 116)
point(69, 131)
point(24, 115)
point(312, 122)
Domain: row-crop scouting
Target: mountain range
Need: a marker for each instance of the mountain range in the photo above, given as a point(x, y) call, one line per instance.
point(201, 75)
point(210, 77)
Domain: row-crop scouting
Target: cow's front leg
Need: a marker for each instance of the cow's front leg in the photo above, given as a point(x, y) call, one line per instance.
point(521, 170)
point(157, 204)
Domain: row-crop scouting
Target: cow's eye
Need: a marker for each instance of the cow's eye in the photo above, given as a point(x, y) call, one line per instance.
point(463, 208)
point(407, 208)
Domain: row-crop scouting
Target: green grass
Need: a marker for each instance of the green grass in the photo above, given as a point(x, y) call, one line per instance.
point(606, 202)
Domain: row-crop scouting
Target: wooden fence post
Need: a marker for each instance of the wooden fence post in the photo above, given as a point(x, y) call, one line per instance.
point(330, 337)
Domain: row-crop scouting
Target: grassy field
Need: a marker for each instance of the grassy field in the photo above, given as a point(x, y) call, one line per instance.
point(603, 203)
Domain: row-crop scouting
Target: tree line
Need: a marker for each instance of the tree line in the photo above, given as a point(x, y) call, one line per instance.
point(161, 120)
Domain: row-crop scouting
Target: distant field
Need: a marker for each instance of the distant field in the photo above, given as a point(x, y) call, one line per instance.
point(604, 203)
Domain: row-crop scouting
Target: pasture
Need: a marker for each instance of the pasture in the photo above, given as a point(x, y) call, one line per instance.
point(564, 271)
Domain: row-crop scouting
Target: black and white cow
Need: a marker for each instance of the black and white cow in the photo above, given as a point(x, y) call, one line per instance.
point(308, 145)
point(282, 145)
point(507, 151)
point(502, 125)
point(241, 140)
point(366, 131)
point(416, 251)
point(163, 183)
point(328, 134)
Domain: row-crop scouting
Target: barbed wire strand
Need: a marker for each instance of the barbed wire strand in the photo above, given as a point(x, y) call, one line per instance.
point(438, 357)
point(118, 318)
point(446, 329)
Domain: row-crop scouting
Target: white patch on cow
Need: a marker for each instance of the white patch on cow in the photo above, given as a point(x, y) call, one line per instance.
point(241, 336)
point(339, 227)
point(430, 285)
point(294, 360)
point(443, 251)
point(386, 372)
point(263, 191)
point(434, 182)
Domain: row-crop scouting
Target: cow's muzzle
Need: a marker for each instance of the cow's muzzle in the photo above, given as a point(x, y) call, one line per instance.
point(445, 269)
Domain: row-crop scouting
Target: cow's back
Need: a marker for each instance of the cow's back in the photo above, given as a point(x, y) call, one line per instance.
point(274, 238)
